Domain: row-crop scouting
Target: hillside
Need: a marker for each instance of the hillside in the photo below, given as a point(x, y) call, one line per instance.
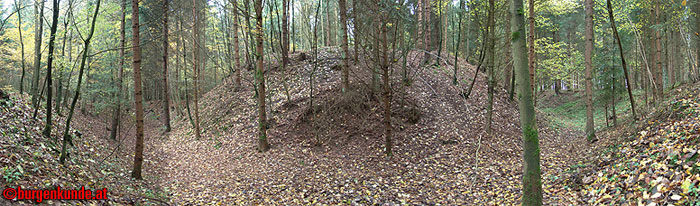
point(652, 162)
point(442, 154)
point(30, 160)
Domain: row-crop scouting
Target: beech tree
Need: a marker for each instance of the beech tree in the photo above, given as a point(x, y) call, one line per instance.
point(590, 128)
point(52, 39)
point(38, 28)
point(66, 136)
point(532, 181)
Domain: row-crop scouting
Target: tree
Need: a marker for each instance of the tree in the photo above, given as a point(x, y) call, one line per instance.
point(458, 42)
point(344, 45)
point(263, 146)
point(38, 28)
point(67, 138)
point(590, 128)
point(622, 56)
point(116, 116)
point(236, 46)
point(509, 81)
point(531, 43)
point(658, 75)
point(196, 65)
point(166, 96)
point(491, 65)
point(49, 93)
point(356, 29)
point(532, 182)
point(18, 9)
point(285, 34)
point(138, 97)
point(62, 66)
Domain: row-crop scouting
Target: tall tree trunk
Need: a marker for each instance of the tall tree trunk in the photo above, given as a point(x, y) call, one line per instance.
point(672, 59)
point(344, 45)
point(427, 11)
point(61, 72)
point(260, 79)
point(509, 66)
point(531, 43)
point(293, 38)
point(21, 43)
point(491, 65)
point(38, 28)
point(138, 97)
point(590, 129)
point(386, 86)
point(49, 67)
point(196, 65)
point(285, 34)
point(532, 182)
point(443, 13)
point(457, 43)
point(658, 77)
point(696, 10)
point(166, 95)
point(67, 138)
point(622, 56)
point(356, 29)
point(116, 116)
point(614, 116)
point(236, 46)
point(441, 24)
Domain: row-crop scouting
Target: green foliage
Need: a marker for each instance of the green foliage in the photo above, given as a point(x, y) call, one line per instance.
point(558, 60)
point(10, 174)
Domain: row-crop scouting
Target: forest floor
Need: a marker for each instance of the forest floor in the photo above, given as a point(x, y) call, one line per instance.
point(442, 154)
point(30, 160)
point(332, 153)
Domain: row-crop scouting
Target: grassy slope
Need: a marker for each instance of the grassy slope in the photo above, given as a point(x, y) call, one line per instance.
point(572, 114)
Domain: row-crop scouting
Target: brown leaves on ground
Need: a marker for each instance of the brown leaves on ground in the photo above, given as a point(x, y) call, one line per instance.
point(442, 157)
point(29, 160)
point(657, 164)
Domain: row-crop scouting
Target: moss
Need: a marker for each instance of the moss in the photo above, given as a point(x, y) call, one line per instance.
point(515, 35)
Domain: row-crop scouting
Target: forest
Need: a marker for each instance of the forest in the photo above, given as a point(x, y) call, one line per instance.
point(350, 102)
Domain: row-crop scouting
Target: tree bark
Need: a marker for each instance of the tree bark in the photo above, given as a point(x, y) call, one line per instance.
point(166, 94)
point(260, 79)
point(49, 67)
point(457, 43)
point(532, 182)
point(116, 116)
point(285, 34)
point(356, 29)
point(622, 56)
point(138, 97)
point(491, 61)
point(531, 44)
point(67, 138)
point(38, 28)
point(196, 64)
point(658, 76)
point(21, 43)
point(509, 67)
point(344, 45)
point(236, 45)
point(387, 89)
point(590, 129)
